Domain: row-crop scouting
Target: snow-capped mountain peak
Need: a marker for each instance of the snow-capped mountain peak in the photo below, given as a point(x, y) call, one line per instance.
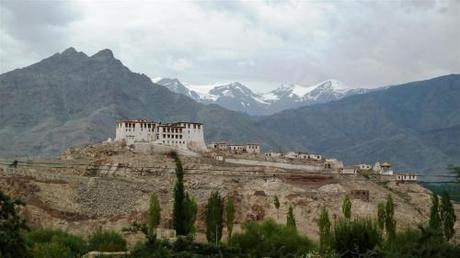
point(236, 96)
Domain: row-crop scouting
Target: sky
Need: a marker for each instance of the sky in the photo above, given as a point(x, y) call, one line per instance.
point(262, 44)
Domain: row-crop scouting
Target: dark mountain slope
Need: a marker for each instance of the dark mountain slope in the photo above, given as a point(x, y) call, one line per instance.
point(414, 125)
point(70, 99)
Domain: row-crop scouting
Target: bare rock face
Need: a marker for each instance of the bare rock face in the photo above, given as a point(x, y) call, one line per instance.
point(109, 185)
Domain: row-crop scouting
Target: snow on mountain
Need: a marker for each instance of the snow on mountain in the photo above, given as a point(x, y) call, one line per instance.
point(238, 97)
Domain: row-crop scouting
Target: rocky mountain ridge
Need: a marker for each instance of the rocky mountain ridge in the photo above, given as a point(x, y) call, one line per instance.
point(238, 97)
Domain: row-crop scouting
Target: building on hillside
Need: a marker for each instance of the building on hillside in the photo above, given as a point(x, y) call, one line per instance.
point(301, 155)
point(314, 157)
point(179, 134)
point(252, 148)
point(291, 155)
point(383, 169)
point(360, 194)
point(273, 154)
point(349, 170)
point(406, 178)
point(220, 146)
point(334, 164)
point(364, 167)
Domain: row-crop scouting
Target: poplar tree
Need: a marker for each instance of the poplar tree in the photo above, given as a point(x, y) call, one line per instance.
point(346, 207)
point(214, 218)
point(184, 208)
point(229, 216)
point(381, 216)
point(447, 214)
point(435, 220)
point(390, 222)
point(154, 213)
point(276, 202)
point(290, 220)
point(324, 225)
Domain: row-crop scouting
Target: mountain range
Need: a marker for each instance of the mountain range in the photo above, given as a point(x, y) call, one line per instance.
point(238, 97)
point(71, 98)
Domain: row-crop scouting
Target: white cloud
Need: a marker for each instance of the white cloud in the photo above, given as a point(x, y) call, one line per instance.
point(260, 43)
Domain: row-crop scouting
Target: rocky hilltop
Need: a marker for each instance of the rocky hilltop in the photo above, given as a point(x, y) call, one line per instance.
point(108, 185)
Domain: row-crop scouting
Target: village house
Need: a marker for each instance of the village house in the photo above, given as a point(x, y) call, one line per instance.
point(291, 155)
point(273, 154)
point(406, 178)
point(314, 156)
point(349, 170)
point(235, 148)
point(334, 164)
point(384, 169)
point(364, 167)
point(179, 134)
point(220, 146)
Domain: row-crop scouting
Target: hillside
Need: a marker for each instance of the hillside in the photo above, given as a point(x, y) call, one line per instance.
point(414, 125)
point(108, 186)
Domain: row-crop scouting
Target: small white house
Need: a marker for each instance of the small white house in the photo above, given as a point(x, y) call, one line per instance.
point(349, 170)
point(406, 178)
point(301, 155)
point(384, 169)
point(292, 155)
point(314, 156)
point(252, 148)
point(364, 167)
point(273, 154)
point(334, 164)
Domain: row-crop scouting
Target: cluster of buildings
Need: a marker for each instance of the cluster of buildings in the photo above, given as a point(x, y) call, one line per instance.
point(293, 155)
point(235, 148)
point(382, 169)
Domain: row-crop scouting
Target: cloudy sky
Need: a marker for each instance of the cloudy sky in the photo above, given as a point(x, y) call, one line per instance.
point(262, 44)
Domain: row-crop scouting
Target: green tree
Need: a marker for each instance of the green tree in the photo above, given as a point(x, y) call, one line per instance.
point(229, 216)
point(346, 207)
point(324, 225)
point(276, 202)
point(154, 213)
point(290, 220)
point(12, 243)
point(435, 221)
point(381, 216)
point(184, 207)
point(447, 215)
point(214, 218)
point(390, 222)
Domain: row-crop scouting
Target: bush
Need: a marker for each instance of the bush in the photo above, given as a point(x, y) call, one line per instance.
point(422, 243)
point(106, 241)
point(55, 243)
point(355, 237)
point(270, 239)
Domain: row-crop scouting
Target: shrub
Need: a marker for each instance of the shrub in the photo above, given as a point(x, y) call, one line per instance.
point(355, 237)
point(106, 241)
point(270, 239)
point(55, 243)
point(11, 224)
point(423, 243)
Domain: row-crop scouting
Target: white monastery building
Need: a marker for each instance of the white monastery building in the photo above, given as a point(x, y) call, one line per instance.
point(179, 134)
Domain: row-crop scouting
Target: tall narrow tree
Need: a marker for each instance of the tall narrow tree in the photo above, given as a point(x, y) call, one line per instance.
point(324, 225)
point(447, 214)
point(381, 216)
point(276, 202)
point(346, 207)
point(390, 222)
point(290, 220)
point(154, 213)
point(229, 216)
point(184, 208)
point(435, 220)
point(214, 218)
